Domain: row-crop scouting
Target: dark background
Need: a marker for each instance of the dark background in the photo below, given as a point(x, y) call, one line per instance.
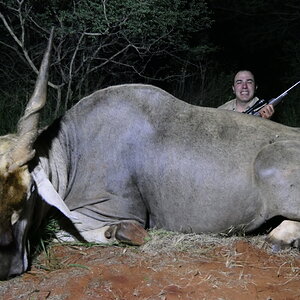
point(258, 37)
point(196, 61)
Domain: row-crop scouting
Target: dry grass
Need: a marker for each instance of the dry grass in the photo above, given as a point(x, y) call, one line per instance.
point(167, 242)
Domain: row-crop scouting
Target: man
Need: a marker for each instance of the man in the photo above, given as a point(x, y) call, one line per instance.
point(244, 88)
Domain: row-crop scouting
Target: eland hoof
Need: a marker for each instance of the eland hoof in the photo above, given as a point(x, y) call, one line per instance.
point(132, 233)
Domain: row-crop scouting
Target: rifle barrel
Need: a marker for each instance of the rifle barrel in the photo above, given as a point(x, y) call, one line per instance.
point(276, 100)
point(292, 86)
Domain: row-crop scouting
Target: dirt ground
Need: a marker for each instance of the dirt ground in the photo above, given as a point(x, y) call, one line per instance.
point(170, 266)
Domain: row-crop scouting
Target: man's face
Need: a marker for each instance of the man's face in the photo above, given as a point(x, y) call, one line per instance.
point(244, 86)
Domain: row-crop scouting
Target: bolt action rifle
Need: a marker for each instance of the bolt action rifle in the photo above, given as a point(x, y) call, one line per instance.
point(253, 110)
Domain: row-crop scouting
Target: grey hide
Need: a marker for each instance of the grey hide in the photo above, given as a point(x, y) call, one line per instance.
point(134, 152)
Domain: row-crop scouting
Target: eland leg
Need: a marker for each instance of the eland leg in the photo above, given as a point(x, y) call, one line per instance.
point(277, 173)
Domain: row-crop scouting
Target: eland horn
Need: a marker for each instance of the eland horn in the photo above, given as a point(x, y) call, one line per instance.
point(23, 151)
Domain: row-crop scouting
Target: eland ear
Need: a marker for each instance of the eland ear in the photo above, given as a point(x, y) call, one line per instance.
point(22, 151)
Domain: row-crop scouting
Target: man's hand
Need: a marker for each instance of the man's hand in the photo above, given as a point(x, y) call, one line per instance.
point(267, 111)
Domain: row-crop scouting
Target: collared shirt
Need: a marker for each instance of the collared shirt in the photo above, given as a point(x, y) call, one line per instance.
point(231, 105)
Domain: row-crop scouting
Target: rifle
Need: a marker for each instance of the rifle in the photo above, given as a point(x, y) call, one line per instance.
point(253, 110)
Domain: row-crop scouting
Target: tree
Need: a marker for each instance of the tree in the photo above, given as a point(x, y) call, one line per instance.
point(99, 43)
